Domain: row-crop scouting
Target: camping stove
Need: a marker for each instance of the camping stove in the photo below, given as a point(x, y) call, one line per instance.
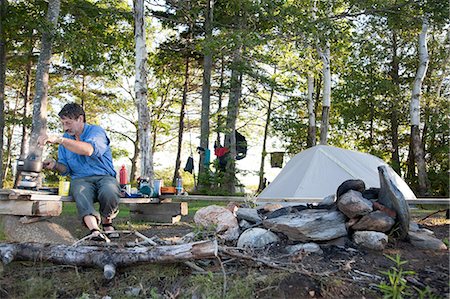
point(29, 169)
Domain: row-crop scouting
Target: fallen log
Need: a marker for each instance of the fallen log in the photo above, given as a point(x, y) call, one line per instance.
point(106, 257)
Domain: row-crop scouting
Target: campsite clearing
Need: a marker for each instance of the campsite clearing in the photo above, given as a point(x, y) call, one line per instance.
point(337, 273)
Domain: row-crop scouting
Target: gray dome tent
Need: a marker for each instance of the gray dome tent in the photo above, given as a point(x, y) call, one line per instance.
point(318, 171)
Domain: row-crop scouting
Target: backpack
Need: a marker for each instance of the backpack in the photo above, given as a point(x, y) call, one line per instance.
point(241, 146)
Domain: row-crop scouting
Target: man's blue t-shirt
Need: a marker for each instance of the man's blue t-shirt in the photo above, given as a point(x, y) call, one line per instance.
point(99, 163)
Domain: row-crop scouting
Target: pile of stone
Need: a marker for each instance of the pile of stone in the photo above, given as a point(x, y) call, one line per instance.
point(365, 216)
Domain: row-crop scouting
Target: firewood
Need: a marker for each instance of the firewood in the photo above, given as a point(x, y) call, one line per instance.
point(106, 257)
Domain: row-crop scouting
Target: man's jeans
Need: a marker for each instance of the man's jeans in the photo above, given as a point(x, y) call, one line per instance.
point(100, 188)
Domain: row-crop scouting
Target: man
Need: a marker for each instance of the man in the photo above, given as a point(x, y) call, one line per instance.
point(84, 154)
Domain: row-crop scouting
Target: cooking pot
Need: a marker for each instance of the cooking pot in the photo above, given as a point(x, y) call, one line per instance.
point(32, 163)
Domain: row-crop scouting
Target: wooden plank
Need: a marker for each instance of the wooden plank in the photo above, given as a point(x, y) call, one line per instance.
point(170, 208)
point(155, 218)
point(30, 208)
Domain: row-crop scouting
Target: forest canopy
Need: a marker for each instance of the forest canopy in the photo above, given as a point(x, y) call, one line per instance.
point(295, 73)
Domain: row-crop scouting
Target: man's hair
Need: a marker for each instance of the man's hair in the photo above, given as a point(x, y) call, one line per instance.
point(72, 111)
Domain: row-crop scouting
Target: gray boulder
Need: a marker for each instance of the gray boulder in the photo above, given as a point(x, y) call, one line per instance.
point(376, 221)
point(425, 240)
point(309, 225)
point(42, 231)
point(353, 204)
point(304, 247)
point(248, 214)
point(226, 223)
point(244, 224)
point(370, 239)
point(257, 238)
point(391, 197)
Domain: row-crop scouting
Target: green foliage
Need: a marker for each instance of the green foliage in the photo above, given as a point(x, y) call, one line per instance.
point(396, 287)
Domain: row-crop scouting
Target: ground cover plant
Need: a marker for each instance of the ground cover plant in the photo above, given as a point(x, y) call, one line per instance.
point(400, 271)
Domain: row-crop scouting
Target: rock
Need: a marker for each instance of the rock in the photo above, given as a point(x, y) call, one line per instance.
point(424, 240)
point(309, 225)
point(357, 185)
point(376, 221)
point(304, 247)
point(279, 212)
point(42, 231)
point(248, 214)
point(329, 200)
point(391, 197)
point(371, 193)
point(352, 204)
point(257, 238)
point(227, 225)
point(338, 242)
point(270, 207)
point(244, 224)
point(370, 239)
point(413, 226)
point(232, 207)
point(379, 207)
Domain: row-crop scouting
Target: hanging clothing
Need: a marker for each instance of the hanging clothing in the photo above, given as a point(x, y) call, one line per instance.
point(189, 165)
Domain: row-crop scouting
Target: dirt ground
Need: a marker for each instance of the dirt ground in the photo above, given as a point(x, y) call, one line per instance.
point(342, 271)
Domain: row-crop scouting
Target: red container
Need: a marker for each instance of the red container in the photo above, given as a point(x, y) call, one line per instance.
point(123, 176)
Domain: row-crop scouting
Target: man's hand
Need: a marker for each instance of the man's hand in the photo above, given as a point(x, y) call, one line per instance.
point(49, 164)
point(44, 138)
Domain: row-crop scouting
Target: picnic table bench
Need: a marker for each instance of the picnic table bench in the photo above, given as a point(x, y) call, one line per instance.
point(36, 203)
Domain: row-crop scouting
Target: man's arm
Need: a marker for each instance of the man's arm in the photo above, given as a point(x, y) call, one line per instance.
point(53, 165)
point(75, 146)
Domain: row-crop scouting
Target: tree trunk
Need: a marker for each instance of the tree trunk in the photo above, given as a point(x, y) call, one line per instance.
point(176, 174)
point(26, 106)
point(262, 181)
point(107, 258)
point(9, 138)
point(203, 170)
point(395, 163)
point(394, 73)
point(232, 114)
point(415, 112)
point(133, 172)
point(219, 100)
point(39, 122)
point(311, 140)
point(326, 102)
point(3, 10)
point(140, 89)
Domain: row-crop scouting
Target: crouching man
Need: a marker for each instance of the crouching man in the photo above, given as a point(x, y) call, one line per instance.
point(84, 154)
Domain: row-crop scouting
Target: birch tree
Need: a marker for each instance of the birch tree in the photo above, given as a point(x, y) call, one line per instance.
point(39, 121)
point(140, 88)
point(416, 142)
point(311, 140)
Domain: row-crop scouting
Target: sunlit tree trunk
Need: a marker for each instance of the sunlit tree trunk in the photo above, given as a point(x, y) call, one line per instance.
point(206, 98)
point(39, 122)
point(140, 89)
point(26, 105)
point(232, 114)
point(311, 140)
point(415, 111)
point(181, 123)
point(3, 9)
